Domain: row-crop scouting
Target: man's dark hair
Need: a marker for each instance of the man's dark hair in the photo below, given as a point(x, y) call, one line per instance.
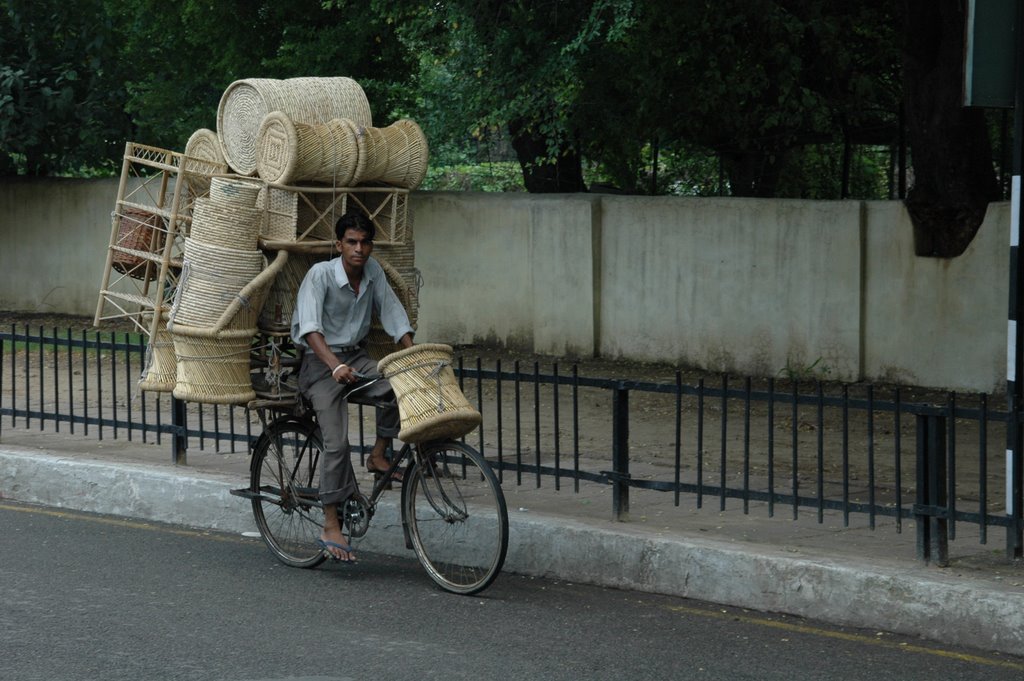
point(357, 220)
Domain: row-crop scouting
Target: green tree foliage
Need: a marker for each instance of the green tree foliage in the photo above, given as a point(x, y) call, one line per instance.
point(61, 86)
point(775, 77)
point(187, 53)
point(80, 78)
point(515, 65)
point(622, 83)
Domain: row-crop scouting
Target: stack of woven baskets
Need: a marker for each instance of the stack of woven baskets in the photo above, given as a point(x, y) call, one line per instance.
point(316, 131)
point(319, 131)
point(223, 284)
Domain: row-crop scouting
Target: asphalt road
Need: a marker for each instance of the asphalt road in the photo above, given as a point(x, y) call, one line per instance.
point(89, 597)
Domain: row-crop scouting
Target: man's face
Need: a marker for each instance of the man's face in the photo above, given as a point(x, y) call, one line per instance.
point(355, 247)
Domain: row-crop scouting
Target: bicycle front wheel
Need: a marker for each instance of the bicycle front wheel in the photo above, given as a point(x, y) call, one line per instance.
point(285, 481)
point(455, 512)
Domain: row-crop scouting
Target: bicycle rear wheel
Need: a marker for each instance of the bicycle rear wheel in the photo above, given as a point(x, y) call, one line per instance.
point(455, 512)
point(285, 480)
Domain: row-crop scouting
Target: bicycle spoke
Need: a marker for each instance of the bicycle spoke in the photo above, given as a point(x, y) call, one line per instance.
point(290, 523)
point(457, 519)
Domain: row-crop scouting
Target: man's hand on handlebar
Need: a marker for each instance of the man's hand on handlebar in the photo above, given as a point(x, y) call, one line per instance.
point(346, 374)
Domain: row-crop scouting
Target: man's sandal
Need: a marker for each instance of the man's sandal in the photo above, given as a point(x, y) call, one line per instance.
point(326, 547)
point(378, 473)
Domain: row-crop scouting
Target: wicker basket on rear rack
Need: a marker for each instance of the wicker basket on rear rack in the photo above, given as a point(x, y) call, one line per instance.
point(430, 404)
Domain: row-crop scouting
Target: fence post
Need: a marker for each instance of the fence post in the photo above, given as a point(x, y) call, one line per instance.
point(179, 438)
point(931, 511)
point(620, 452)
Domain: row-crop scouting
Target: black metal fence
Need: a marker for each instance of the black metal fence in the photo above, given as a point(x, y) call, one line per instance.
point(787, 445)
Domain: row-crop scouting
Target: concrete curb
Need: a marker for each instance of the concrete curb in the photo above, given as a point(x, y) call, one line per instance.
point(752, 576)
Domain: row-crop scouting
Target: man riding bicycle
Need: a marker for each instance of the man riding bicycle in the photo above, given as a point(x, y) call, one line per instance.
point(332, 318)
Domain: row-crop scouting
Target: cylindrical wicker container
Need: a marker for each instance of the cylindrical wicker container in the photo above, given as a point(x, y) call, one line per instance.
point(245, 103)
point(396, 155)
point(235, 192)
point(430, 404)
point(160, 372)
point(213, 367)
point(203, 158)
point(288, 152)
point(211, 279)
point(279, 213)
point(228, 226)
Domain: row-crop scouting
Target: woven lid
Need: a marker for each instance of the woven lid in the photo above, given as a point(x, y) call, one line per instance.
point(235, 192)
point(203, 144)
point(276, 145)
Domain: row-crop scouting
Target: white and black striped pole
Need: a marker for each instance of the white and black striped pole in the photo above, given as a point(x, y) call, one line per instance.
point(1014, 379)
point(1015, 325)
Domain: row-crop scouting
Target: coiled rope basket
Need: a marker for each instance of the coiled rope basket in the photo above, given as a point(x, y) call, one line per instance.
point(245, 103)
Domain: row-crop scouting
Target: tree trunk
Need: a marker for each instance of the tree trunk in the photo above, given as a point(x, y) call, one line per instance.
point(954, 179)
point(562, 175)
point(753, 173)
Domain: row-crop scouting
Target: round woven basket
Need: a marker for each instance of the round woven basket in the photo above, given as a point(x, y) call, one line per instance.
point(211, 279)
point(288, 152)
point(235, 192)
point(396, 155)
point(160, 372)
point(430, 404)
point(213, 368)
point(279, 210)
point(379, 343)
point(245, 103)
point(203, 158)
point(228, 226)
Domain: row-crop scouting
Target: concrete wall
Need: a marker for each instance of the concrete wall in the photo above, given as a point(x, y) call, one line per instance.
point(735, 284)
point(507, 269)
point(53, 243)
point(932, 321)
point(744, 285)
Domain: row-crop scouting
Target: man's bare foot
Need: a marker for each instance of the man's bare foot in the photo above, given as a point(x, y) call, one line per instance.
point(376, 463)
point(333, 542)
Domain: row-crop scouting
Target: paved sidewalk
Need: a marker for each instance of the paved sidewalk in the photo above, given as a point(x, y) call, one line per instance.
point(845, 575)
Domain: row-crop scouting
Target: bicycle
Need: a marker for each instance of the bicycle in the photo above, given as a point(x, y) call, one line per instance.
point(452, 507)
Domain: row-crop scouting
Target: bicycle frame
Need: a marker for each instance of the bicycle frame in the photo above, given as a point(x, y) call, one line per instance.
point(406, 456)
point(439, 503)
